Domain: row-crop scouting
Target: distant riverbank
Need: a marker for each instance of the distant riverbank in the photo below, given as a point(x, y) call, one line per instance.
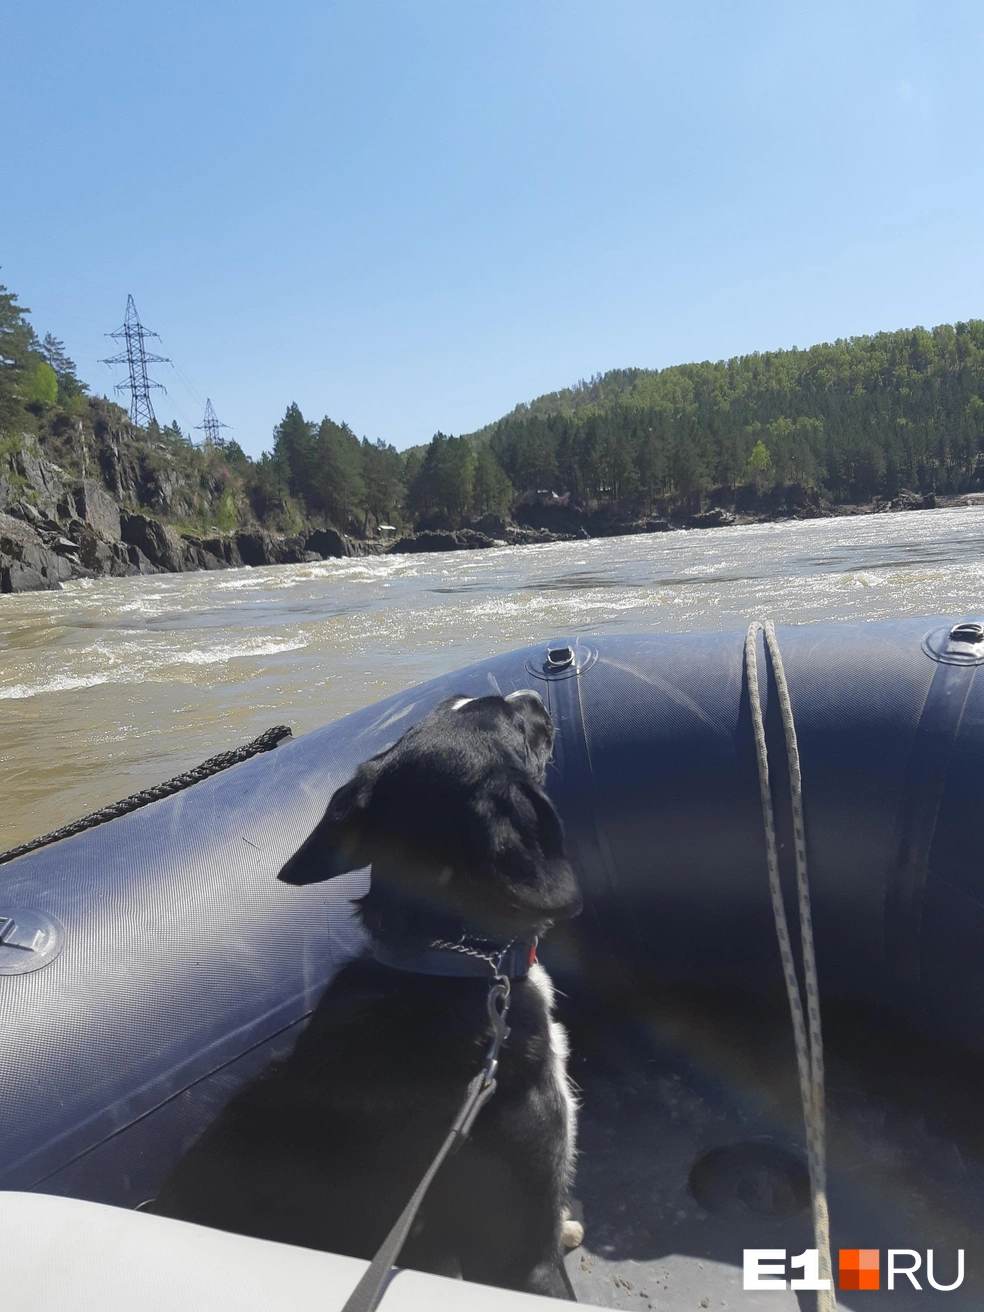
point(87, 535)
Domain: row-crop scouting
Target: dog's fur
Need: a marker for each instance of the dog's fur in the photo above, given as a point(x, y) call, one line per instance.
point(325, 1148)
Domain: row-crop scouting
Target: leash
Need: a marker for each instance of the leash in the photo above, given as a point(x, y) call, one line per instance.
point(806, 1029)
point(365, 1297)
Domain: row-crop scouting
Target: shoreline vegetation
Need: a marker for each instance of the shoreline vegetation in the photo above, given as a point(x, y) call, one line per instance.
point(893, 421)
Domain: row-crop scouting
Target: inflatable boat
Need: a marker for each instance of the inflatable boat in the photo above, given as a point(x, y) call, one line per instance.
point(151, 965)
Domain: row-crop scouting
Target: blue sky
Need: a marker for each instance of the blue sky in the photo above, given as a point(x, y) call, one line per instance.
point(412, 215)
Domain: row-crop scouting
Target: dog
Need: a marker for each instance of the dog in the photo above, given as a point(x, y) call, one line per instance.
point(325, 1148)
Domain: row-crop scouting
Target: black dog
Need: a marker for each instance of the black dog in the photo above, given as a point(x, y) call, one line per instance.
point(325, 1148)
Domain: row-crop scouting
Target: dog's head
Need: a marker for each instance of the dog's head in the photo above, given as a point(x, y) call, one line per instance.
point(454, 821)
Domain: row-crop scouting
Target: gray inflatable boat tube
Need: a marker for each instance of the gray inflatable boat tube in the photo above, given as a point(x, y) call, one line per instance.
point(165, 964)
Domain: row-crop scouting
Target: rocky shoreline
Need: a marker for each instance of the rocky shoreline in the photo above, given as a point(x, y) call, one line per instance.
point(50, 533)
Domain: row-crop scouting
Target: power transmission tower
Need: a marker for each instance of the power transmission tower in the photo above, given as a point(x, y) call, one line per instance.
point(136, 358)
point(210, 425)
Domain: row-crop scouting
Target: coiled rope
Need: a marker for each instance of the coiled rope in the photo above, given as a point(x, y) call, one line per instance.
point(214, 765)
point(806, 1029)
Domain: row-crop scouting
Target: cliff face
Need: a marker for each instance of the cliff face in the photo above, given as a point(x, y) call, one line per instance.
point(93, 496)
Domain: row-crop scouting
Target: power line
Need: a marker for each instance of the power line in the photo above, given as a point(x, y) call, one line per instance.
point(136, 358)
point(189, 384)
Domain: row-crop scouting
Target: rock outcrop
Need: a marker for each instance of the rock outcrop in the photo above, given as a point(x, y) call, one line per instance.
point(95, 507)
point(52, 530)
point(157, 542)
point(330, 544)
point(30, 562)
point(459, 539)
point(716, 518)
point(907, 500)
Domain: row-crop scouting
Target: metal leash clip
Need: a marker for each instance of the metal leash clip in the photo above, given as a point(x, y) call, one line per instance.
point(497, 1004)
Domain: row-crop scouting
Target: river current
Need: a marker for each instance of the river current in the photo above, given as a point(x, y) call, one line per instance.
point(114, 684)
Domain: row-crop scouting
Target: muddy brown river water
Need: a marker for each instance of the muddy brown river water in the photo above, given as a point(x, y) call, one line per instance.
point(111, 685)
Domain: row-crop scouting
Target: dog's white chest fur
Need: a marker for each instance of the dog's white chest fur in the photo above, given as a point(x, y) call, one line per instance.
point(558, 1057)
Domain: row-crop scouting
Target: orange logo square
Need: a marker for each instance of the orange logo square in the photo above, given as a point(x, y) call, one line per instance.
point(859, 1268)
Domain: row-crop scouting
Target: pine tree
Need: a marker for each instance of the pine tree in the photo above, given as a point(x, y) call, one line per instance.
point(492, 493)
point(19, 357)
point(382, 476)
point(293, 450)
point(337, 480)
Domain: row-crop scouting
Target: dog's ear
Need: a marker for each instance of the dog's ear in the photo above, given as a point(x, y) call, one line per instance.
point(527, 862)
point(555, 891)
point(538, 729)
point(339, 841)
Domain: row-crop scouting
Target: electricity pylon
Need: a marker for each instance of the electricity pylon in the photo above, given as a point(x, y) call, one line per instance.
point(136, 358)
point(211, 424)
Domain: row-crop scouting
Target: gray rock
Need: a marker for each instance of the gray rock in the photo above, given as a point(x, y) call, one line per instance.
point(156, 541)
point(96, 554)
point(24, 510)
point(461, 539)
point(15, 534)
point(263, 549)
point(98, 509)
point(329, 543)
point(253, 549)
point(426, 541)
point(197, 556)
point(99, 557)
point(291, 550)
point(26, 563)
point(15, 576)
point(472, 540)
point(716, 518)
point(493, 526)
point(41, 476)
point(907, 500)
point(139, 564)
point(223, 549)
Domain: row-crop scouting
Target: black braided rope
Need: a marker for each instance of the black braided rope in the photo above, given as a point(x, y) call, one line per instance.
point(214, 765)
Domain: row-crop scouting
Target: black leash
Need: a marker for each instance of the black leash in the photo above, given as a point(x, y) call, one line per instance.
point(265, 743)
point(366, 1295)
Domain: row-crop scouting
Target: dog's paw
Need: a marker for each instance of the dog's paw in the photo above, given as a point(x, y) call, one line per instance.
point(571, 1231)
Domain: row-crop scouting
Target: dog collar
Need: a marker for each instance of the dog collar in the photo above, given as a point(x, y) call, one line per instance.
point(459, 959)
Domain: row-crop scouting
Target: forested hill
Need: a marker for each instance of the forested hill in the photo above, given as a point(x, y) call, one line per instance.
point(854, 420)
point(600, 390)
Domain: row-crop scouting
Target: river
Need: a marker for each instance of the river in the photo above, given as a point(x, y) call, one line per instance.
point(114, 684)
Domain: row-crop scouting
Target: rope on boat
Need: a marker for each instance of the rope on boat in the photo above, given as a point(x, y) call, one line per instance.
point(214, 765)
point(806, 1029)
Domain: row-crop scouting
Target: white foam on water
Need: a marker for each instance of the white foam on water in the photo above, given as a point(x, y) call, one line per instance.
point(60, 683)
point(219, 655)
point(236, 585)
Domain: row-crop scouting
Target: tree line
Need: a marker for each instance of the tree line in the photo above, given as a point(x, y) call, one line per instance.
point(850, 421)
point(322, 470)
